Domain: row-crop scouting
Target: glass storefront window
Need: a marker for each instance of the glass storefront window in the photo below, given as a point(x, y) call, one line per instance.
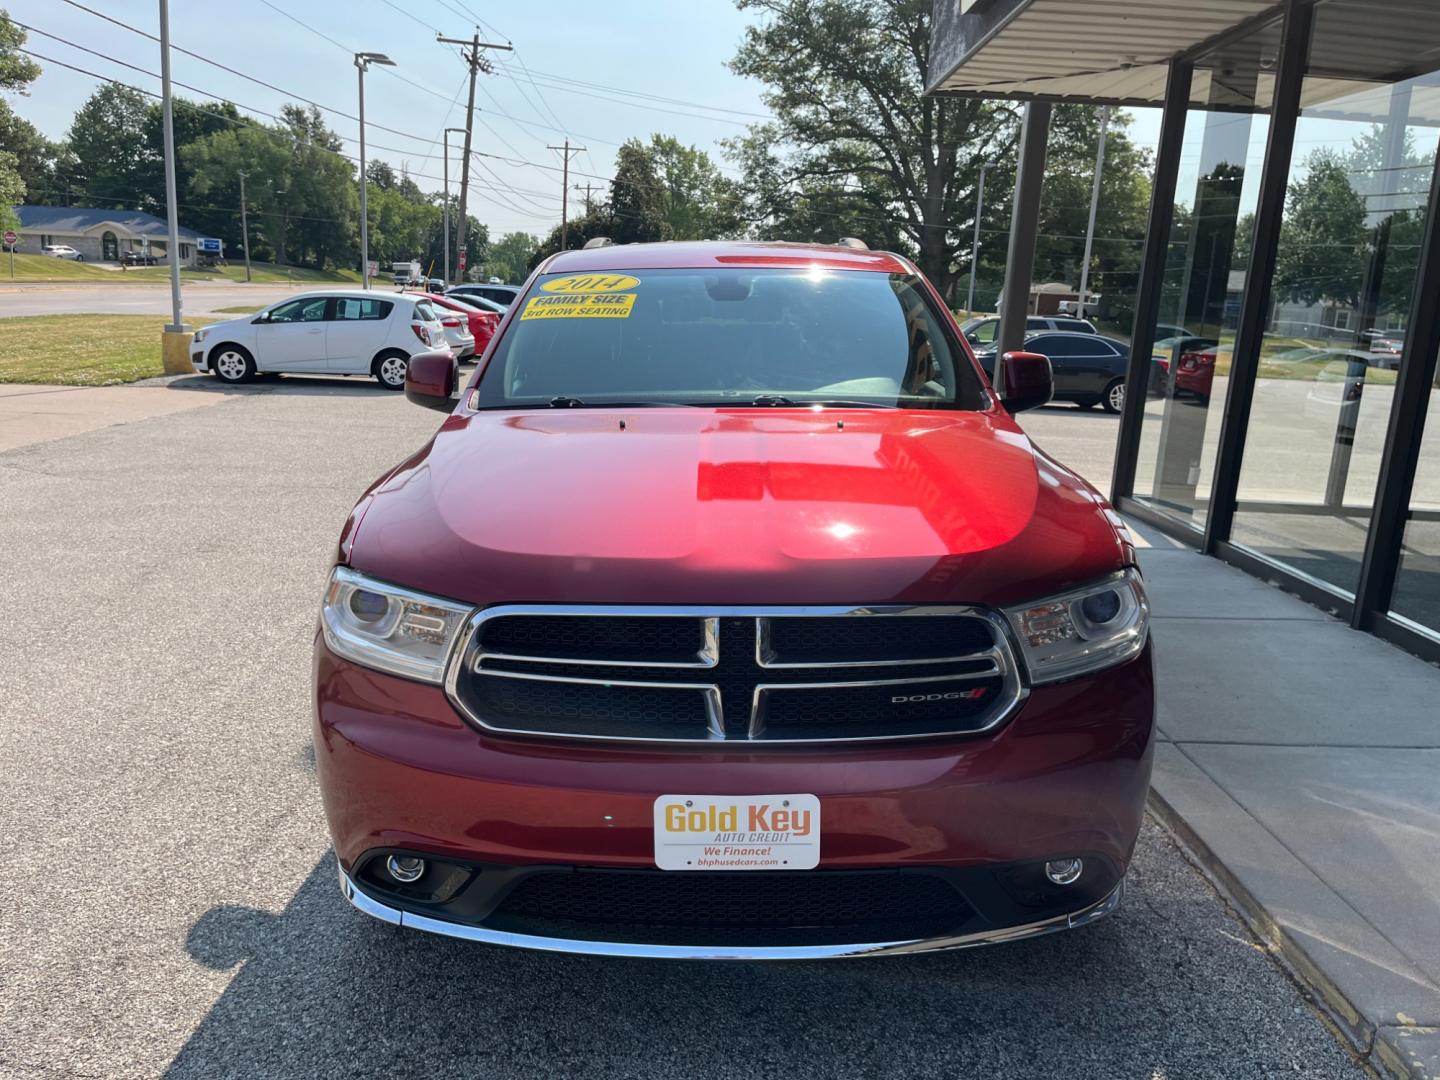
point(1207, 253)
point(1345, 272)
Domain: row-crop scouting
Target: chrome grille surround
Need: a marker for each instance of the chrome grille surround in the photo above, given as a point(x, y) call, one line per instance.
point(998, 661)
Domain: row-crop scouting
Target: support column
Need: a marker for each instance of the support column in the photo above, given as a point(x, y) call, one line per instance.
point(1401, 456)
point(1024, 225)
point(1152, 275)
point(1255, 306)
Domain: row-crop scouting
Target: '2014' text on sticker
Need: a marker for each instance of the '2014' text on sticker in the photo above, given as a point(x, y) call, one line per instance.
point(577, 284)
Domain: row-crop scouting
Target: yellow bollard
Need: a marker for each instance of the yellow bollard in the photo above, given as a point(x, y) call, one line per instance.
point(175, 351)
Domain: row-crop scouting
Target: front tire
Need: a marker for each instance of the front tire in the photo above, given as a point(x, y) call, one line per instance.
point(232, 364)
point(389, 370)
point(1113, 397)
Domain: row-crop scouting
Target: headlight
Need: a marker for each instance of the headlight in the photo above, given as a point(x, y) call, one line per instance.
point(1083, 630)
point(199, 336)
point(386, 627)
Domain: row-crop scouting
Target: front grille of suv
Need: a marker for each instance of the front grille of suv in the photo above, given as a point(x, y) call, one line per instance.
point(735, 675)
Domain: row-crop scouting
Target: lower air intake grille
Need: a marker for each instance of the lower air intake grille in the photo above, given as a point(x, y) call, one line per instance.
point(718, 908)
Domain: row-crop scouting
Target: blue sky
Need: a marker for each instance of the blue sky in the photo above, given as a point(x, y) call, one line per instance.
point(668, 49)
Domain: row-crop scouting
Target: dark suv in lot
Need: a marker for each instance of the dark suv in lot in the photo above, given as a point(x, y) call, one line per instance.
point(730, 614)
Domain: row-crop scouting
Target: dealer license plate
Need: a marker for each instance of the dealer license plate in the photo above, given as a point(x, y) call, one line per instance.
point(737, 832)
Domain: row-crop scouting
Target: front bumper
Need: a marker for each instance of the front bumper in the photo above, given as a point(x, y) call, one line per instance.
point(1067, 775)
point(590, 947)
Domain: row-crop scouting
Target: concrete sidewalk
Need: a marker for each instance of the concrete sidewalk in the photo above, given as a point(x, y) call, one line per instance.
point(1300, 763)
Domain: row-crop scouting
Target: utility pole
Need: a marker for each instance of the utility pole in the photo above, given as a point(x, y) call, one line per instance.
point(477, 62)
point(568, 151)
point(244, 227)
point(1094, 206)
point(587, 187)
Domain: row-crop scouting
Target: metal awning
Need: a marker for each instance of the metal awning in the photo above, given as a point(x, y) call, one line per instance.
point(1102, 51)
point(1117, 51)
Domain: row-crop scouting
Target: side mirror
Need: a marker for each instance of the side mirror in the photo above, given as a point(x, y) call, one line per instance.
point(430, 380)
point(263, 317)
point(1029, 382)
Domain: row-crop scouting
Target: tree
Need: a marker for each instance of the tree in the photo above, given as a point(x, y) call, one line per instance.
point(598, 221)
point(114, 162)
point(509, 257)
point(1321, 256)
point(301, 193)
point(12, 189)
point(699, 201)
point(637, 197)
point(17, 72)
point(855, 140)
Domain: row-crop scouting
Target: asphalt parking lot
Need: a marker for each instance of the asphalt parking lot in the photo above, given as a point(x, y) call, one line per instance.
point(168, 903)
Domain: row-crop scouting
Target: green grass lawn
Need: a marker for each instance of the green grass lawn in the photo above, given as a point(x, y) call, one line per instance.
point(240, 309)
point(98, 350)
point(33, 268)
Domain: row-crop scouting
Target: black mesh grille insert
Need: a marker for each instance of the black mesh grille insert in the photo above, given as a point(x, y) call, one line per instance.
point(637, 638)
point(876, 711)
point(774, 907)
point(803, 640)
point(583, 699)
point(564, 708)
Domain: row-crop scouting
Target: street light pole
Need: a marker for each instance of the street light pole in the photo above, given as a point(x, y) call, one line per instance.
point(172, 216)
point(244, 226)
point(363, 60)
point(446, 137)
point(175, 338)
point(975, 244)
point(1094, 206)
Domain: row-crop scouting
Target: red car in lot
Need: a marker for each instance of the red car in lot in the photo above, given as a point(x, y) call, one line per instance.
point(482, 323)
point(730, 614)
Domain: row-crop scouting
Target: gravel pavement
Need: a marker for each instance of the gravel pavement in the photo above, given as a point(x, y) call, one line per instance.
point(168, 903)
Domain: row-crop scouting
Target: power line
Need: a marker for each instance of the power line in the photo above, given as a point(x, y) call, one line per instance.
point(250, 125)
point(213, 63)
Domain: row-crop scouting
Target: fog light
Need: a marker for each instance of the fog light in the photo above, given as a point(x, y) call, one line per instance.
point(1061, 871)
point(406, 868)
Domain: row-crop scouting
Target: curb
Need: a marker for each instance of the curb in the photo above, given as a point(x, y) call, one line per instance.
point(1346, 1021)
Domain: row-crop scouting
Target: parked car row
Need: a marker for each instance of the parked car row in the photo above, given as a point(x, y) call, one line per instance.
point(344, 332)
point(1089, 368)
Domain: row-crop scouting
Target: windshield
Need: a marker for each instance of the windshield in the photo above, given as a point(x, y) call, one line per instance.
point(730, 336)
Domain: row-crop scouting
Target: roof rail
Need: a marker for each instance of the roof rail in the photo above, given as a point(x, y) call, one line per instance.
point(598, 242)
point(852, 242)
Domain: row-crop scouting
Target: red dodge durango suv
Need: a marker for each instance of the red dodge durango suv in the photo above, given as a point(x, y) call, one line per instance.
point(730, 614)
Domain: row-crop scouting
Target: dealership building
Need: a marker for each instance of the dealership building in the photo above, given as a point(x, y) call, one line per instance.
point(102, 235)
point(1298, 137)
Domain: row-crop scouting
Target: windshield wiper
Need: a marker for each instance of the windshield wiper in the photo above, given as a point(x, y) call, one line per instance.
point(563, 402)
point(780, 401)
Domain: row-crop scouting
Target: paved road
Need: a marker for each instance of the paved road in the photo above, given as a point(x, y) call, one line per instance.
point(167, 896)
point(131, 298)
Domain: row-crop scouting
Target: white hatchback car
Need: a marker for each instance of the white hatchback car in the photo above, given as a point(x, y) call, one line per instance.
point(338, 332)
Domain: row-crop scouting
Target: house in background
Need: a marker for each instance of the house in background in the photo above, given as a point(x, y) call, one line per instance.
point(101, 235)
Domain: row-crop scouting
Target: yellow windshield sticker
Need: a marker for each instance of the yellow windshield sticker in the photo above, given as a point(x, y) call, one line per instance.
point(591, 283)
point(585, 306)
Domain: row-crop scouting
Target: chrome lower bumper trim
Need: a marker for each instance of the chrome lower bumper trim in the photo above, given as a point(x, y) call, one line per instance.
point(385, 913)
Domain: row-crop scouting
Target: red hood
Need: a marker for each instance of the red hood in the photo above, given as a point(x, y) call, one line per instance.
point(746, 506)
